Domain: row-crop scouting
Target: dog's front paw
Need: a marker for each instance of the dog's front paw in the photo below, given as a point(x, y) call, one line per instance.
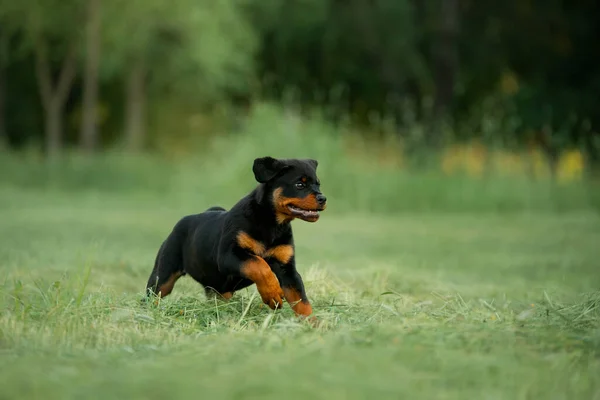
point(272, 296)
point(274, 302)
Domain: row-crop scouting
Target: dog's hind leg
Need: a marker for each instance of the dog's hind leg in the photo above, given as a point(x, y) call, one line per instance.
point(213, 294)
point(168, 268)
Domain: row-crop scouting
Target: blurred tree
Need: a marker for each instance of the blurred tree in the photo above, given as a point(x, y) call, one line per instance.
point(3, 65)
point(89, 129)
point(54, 94)
point(533, 57)
point(352, 56)
point(50, 30)
point(195, 49)
point(522, 65)
point(445, 54)
point(510, 73)
point(131, 29)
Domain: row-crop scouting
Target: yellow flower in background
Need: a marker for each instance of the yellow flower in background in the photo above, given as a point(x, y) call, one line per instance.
point(507, 163)
point(571, 166)
point(509, 84)
point(475, 159)
point(539, 164)
point(391, 154)
point(451, 159)
point(472, 160)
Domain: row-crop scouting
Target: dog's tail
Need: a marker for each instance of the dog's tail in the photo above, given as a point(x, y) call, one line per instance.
point(153, 281)
point(216, 208)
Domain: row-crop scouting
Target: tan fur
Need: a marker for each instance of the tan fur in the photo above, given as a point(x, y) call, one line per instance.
point(282, 253)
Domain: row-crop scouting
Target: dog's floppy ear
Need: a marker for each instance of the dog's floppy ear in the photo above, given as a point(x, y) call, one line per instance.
point(266, 168)
point(313, 163)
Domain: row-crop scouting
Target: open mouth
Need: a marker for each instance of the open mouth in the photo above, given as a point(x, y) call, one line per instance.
point(302, 213)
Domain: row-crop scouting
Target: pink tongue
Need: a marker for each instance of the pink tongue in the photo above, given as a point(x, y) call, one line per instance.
point(304, 213)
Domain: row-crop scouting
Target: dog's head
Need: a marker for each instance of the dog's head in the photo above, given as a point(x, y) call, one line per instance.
point(293, 186)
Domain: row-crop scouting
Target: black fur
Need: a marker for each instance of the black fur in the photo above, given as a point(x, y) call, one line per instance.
point(205, 246)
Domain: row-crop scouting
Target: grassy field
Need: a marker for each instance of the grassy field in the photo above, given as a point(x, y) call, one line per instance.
point(428, 283)
point(415, 305)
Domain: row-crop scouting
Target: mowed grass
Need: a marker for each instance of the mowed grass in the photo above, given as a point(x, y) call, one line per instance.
point(422, 305)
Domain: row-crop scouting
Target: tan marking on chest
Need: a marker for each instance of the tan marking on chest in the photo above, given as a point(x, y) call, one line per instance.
point(282, 253)
point(245, 241)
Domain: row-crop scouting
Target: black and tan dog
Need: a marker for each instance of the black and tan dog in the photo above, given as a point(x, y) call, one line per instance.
point(226, 251)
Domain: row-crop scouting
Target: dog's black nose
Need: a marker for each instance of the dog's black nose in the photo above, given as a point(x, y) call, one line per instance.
point(321, 199)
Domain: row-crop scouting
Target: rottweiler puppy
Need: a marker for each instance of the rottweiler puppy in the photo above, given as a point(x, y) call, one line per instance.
point(252, 243)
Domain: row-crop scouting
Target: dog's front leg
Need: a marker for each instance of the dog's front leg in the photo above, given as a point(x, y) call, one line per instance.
point(257, 270)
point(293, 290)
point(284, 265)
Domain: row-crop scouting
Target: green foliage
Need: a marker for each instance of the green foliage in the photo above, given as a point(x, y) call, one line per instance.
point(354, 181)
point(439, 63)
point(34, 20)
point(333, 52)
point(192, 47)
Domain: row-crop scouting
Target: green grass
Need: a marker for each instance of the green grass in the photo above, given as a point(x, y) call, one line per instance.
point(413, 305)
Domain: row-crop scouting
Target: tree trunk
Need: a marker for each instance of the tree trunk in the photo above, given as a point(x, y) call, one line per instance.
point(3, 63)
point(135, 103)
point(445, 56)
point(89, 130)
point(54, 98)
point(53, 127)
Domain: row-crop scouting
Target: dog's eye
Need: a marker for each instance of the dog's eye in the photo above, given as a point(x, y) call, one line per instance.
point(300, 185)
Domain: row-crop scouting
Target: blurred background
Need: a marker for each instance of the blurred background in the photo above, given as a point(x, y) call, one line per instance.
point(407, 104)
